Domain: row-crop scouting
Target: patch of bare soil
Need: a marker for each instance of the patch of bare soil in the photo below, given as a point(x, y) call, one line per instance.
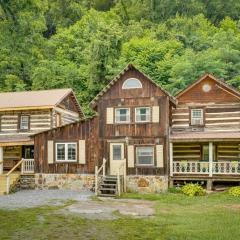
point(233, 207)
point(106, 208)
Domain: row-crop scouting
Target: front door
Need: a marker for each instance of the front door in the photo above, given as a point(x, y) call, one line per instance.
point(117, 157)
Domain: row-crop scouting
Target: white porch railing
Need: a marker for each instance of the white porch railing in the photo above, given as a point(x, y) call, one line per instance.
point(97, 172)
point(197, 167)
point(27, 166)
point(121, 187)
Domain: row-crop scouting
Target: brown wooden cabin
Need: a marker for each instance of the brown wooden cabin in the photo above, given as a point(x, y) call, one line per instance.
point(25, 113)
point(131, 126)
point(205, 133)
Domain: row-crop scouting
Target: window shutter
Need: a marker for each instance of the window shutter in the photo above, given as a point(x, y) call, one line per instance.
point(155, 114)
point(50, 152)
point(130, 156)
point(82, 152)
point(159, 153)
point(109, 116)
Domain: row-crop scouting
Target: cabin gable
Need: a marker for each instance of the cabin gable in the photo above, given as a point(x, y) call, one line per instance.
point(208, 89)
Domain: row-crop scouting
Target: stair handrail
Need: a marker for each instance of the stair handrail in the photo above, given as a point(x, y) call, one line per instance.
point(97, 171)
point(8, 175)
point(1, 167)
point(124, 177)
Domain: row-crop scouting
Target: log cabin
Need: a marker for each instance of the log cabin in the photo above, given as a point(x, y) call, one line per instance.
point(205, 133)
point(128, 136)
point(23, 114)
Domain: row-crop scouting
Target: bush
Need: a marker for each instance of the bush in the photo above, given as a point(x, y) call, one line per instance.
point(234, 191)
point(192, 189)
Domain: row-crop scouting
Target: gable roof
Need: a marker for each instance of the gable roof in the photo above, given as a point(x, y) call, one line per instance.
point(223, 84)
point(129, 67)
point(35, 99)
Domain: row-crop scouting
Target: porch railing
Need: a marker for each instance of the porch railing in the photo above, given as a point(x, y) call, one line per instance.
point(97, 173)
point(201, 167)
point(27, 166)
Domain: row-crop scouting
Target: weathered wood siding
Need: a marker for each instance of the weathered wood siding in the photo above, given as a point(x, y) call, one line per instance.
point(84, 130)
point(40, 120)
point(221, 109)
point(138, 134)
point(223, 151)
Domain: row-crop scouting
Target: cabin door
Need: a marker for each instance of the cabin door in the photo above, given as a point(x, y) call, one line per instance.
point(117, 158)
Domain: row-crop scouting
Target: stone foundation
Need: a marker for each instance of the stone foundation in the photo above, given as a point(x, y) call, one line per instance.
point(77, 182)
point(147, 184)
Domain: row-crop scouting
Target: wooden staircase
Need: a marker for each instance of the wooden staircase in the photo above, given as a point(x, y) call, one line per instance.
point(108, 186)
point(13, 181)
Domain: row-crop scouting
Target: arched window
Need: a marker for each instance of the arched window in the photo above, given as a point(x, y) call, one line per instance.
point(132, 83)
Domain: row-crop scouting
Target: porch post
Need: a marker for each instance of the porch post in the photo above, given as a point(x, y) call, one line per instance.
point(1, 160)
point(171, 158)
point(210, 159)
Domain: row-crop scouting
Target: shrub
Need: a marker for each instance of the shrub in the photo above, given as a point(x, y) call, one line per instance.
point(234, 191)
point(192, 189)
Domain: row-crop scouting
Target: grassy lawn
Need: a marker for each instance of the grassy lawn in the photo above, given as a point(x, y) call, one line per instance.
point(178, 217)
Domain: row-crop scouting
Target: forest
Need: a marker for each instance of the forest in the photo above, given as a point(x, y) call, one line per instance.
point(83, 44)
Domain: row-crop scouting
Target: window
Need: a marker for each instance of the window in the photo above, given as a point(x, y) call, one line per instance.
point(117, 152)
point(132, 83)
point(24, 122)
point(122, 115)
point(205, 152)
point(142, 114)
point(196, 116)
point(145, 155)
point(66, 152)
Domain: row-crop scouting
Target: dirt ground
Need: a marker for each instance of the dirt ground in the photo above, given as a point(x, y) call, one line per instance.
point(110, 208)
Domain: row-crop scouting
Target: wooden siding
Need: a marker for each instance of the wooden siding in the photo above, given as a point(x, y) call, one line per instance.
point(40, 120)
point(224, 151)
point(217, 117)
point(85, 130)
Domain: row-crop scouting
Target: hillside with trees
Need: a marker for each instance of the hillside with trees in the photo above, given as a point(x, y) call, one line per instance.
point(83, 44)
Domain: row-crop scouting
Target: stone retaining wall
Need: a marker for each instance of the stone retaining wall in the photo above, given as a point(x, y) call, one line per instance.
point(77, 182)
point(147, 184)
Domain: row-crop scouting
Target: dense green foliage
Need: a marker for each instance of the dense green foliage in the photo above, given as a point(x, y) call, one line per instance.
point(192, 190)
point(234, 191)
point(83, 43)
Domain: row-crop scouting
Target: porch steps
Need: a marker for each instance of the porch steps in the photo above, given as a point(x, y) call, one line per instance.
point(14, 182)
point(27, 181)
point(108, 186)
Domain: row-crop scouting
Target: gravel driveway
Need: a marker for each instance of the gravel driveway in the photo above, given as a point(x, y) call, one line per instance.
point(35, 198)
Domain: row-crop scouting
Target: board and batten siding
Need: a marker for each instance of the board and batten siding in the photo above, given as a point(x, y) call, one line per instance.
point(84, 133)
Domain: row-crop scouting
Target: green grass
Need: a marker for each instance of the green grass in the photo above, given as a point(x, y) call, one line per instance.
point(178, 217)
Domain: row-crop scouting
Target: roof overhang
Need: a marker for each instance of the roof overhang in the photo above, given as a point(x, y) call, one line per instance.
point(205, 137)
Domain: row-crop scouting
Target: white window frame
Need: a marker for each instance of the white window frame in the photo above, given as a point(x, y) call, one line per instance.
point(124, 86)
point(140, 114)
point(193, 119)
point(128, 116)
point(66, 152)
point(153, 160)
point(21, 126)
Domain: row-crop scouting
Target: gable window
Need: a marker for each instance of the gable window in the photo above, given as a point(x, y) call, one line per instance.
point(145, 155)
point(197, 116)
point(66, 152)
point(131, 83)
point(122, 115)
point(142, 114)
point(24, 122)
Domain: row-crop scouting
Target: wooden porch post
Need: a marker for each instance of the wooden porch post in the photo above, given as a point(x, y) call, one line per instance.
point(171, 158)
point(210, 159)
point(1, 160)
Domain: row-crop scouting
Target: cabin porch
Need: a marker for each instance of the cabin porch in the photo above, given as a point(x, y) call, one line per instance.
point(209, 161)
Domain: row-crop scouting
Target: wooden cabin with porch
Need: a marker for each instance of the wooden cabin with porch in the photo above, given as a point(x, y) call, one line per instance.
point(128, 135)
point(23, 114)
point(205, 133)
